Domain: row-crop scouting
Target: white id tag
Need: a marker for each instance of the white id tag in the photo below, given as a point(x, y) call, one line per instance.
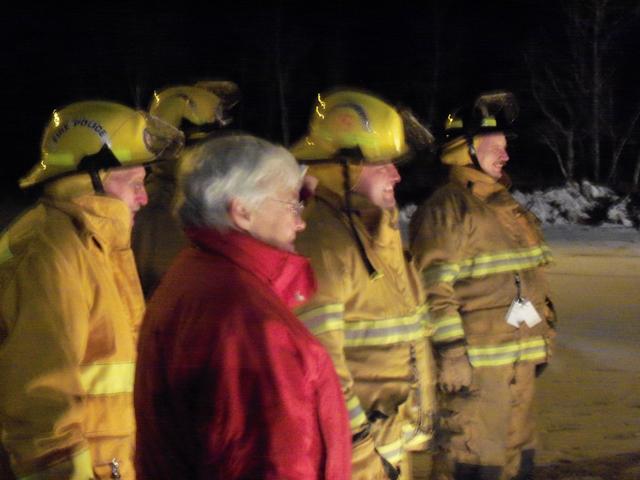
point(522, 311)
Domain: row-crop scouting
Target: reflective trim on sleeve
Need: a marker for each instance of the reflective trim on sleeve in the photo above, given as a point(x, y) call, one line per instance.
point(413, 438)
point(324, 319)
point(508, 261)
point(107, 378)
point(530, 350)
point(358, 333)
point(440, 273)
point(488, 264)
point(448, 328)
point(392, 452)
point(361, 333)
point(357, 418)
point(78, 467)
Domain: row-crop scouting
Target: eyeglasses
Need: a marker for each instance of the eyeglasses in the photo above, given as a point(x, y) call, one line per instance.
point(296, 207)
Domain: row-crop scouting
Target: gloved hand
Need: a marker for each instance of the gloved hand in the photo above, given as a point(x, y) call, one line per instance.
point(454, 369)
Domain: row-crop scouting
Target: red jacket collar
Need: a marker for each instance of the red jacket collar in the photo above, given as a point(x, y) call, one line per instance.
point(288, 274)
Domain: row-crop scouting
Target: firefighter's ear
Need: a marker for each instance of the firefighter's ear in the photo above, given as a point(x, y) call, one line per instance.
point(240, 216)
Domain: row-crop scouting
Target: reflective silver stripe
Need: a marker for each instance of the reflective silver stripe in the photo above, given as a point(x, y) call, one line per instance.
point(356, 413)
point(413, 438)
point(509, 261)
point(384, 332)
point(487, 264)
point(441, 272)
point(448, 328)
point(324, 319)
point(392, 452)
point(532, 349)
point(366, 332)
point(107, 378)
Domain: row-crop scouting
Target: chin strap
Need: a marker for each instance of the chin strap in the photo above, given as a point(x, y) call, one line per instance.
point(96, 182)
point(344, 161)
point(472, 152)
point(101, 160)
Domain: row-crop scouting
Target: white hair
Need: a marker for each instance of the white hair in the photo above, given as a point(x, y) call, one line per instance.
point(236, 166)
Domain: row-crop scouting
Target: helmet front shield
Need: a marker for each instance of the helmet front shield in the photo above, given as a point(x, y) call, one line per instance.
point(161, 139)
point(496, 109)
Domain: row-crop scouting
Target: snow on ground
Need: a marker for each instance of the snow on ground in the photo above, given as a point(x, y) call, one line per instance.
point(582, 203)
point(574, 204)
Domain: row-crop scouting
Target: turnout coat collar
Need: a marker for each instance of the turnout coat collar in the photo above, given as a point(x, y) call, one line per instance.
point(104, 218)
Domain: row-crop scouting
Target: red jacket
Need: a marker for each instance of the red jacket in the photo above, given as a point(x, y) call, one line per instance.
point(229, 383)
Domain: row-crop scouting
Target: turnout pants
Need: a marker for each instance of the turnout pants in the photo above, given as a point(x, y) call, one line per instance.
point(487, 431)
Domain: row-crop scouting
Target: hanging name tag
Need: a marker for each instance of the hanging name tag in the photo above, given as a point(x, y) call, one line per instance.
point(522, 311)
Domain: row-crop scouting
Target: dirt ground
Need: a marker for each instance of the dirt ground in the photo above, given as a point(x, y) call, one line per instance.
point(589, 397)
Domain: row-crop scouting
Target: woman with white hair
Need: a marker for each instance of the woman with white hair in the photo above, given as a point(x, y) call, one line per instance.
point(229, 383)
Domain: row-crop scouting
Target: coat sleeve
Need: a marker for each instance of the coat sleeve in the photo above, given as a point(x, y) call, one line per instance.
point(45, 314)
point(438, 233)
point(264, 387)
point(324, 316)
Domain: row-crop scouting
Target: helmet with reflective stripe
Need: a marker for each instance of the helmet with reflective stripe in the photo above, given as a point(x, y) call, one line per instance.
point(90, 136)
point(491, 112)
point(352, 120)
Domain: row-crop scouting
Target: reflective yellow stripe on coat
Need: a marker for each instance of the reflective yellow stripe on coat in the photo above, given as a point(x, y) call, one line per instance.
point(448, 328)
point(532, 349)
point(356, 413)
point(361, 333)
point(413, 438)
point(489, 264)
point(392, 452)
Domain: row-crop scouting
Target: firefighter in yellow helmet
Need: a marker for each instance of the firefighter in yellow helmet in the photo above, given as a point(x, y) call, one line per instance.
point(369, 311)
point(71, 301)
point(198, 112)
point(482, 256)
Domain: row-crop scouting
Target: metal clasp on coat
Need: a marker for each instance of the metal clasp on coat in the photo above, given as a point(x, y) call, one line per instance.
point(115, 468)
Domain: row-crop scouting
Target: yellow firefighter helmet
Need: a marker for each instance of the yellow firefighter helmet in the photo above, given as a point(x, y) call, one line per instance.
point(89, 136)
point(226, 90)
point(187, 108)
point(349, 120)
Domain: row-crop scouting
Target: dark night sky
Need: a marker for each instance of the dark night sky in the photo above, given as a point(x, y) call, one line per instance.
point(58, 55)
